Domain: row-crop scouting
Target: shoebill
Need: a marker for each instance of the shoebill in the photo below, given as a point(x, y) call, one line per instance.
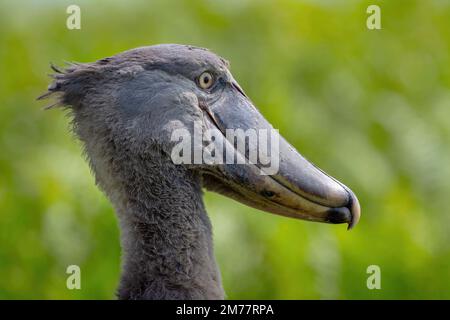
point(125, 110)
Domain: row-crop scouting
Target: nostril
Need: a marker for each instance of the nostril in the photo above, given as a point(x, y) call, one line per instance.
point(267, 193)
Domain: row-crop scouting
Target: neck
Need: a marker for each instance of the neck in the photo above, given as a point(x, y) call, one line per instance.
point(165, 234)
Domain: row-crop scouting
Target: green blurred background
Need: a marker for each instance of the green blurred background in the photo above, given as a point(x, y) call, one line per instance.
point(372, 108)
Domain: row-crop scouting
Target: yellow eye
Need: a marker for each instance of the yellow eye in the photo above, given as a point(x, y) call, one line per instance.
point(206, 80)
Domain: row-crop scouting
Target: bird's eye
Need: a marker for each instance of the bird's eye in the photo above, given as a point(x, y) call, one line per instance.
point(206, 80)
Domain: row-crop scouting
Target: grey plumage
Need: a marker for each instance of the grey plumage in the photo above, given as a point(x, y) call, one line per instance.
point(125, 109)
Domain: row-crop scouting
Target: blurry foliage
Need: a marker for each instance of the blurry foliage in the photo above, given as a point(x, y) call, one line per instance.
point(372, 108)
